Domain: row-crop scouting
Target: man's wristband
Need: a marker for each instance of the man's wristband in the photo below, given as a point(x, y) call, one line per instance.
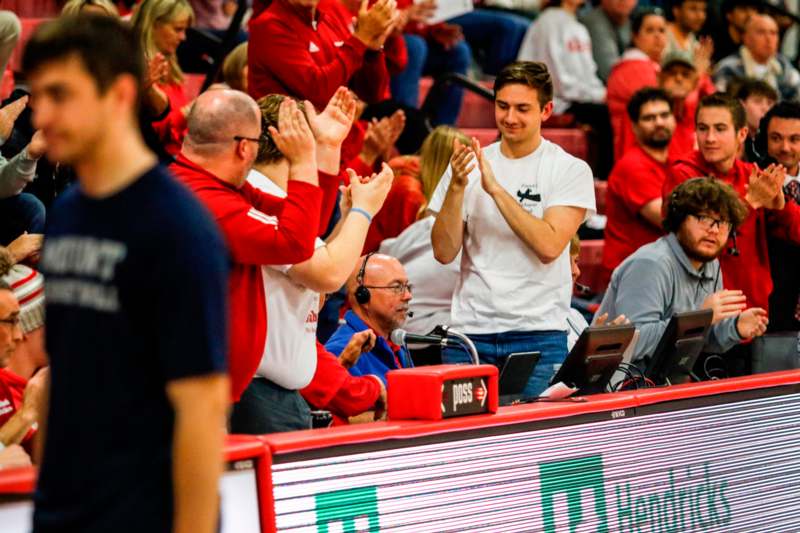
point(363, 212)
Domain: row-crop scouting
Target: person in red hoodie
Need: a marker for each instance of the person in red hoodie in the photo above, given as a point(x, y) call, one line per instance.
point(307, 49)
point(721, 126)
point(224, 133)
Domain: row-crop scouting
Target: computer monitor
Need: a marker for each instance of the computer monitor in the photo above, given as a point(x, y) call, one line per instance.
point(594, 358)
point(679, 347)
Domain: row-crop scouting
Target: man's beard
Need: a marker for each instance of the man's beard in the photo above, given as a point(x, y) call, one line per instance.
point(657, 142)
point(692, 253)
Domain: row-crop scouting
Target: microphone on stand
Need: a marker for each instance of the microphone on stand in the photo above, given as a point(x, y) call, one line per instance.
point(438, 336)
point(402, 337)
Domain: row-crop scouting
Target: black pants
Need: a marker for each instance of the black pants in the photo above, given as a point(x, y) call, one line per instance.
point(601, 139)
point(269, 408)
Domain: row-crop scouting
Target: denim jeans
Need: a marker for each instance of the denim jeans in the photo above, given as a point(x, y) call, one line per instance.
point(493, 348)
point(494, 37)
point(18, 214)
point(425, 57)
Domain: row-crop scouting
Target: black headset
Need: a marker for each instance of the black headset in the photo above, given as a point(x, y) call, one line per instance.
point(362, 293)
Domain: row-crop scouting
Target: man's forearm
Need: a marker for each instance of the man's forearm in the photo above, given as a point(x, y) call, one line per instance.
point(304, 171)
point(536, 233)
point(328, 158)
point(197, 462)
point(15, 429)
point(448, 230)
point(328, 268)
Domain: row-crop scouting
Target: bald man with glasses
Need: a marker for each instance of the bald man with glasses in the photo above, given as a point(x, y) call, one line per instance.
point(379, 295)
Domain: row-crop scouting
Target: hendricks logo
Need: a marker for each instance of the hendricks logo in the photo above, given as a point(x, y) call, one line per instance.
point(699, 503)
point(354, 509)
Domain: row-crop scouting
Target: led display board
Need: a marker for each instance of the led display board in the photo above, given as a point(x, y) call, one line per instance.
point(725, 464)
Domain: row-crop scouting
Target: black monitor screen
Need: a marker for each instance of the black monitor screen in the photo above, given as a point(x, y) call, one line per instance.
point(679, 347)
point(594, 358)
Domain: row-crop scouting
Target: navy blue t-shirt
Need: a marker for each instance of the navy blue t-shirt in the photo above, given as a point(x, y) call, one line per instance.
point(135, 288)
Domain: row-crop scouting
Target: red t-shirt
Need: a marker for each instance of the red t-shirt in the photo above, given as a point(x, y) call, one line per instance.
point(634, 181)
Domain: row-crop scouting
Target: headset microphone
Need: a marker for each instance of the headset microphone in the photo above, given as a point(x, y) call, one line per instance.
point(733, 250)
point(410, 314)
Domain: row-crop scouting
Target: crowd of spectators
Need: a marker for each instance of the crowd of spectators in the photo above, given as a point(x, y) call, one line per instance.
point(191, 250)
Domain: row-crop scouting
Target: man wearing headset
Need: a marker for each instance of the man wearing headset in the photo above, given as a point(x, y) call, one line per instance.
point(680, 272)
point(379, 294)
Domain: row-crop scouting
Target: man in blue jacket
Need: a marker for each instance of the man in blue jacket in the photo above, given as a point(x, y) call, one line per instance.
point(379, 293)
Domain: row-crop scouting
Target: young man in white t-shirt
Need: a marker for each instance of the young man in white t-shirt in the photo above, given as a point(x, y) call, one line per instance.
point(513, 207)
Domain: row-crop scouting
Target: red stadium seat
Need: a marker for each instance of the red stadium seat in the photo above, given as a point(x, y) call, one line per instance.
point(33, 8)
point(590, 262)
point(28, 26)
point(485, 136)
point(573, 140)
point(600, 189)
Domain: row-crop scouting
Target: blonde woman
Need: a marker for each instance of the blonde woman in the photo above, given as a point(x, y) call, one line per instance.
point(161, 27)
point(433, 282)
point(98, 7)
point(234, 68)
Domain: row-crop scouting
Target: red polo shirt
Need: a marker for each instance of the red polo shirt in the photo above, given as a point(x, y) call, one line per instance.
point(635, 181)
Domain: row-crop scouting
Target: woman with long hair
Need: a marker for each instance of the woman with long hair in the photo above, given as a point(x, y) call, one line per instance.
point(161, 27)
point(638, 68)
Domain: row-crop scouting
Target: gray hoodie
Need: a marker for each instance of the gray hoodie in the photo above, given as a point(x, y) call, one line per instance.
point(16, 173)
point(658, 281)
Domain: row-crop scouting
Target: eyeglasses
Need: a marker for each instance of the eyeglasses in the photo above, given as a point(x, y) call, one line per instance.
point(397, 288)
point(238, 138)
point(13, 321)
point(706, 222)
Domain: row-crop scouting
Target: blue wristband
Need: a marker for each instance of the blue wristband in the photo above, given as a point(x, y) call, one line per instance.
point(363, 212)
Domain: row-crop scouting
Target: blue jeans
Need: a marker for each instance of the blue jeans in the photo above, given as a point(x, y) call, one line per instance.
point(429, 58)
point(493, 348)
point(494, 36)
point(18, 214)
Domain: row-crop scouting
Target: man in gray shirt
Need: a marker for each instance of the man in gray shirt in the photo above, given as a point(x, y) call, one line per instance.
point(680, 272)
point(609, 27)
